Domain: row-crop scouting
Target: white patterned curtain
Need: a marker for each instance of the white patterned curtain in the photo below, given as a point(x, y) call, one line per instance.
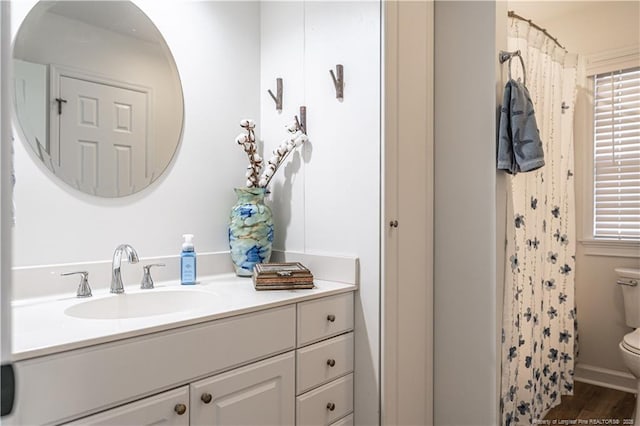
point(539, 342)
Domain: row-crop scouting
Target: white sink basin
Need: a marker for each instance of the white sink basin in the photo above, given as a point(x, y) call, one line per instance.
point(144, 304)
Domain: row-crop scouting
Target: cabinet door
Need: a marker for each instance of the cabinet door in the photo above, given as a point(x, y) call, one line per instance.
point(408, 240)
point(168, 408)
point(258, 394)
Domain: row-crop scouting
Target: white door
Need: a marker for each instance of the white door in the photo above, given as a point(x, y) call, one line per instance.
point(168, 408)
point(407, 334)
point(103, 136)
point(258, 394)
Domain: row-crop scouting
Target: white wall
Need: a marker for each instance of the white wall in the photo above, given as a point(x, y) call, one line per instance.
point(327, 199)
point(283, 56)
point(589, 27)
point(467, 316)
point(219, 65)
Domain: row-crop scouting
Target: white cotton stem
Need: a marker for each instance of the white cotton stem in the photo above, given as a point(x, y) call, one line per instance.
point(274, 166)
point(256, 163)
point(248, 142)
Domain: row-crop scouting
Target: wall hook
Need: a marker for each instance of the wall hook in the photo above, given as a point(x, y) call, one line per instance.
point(302, 123)
point(338, 82)
point(277, 98)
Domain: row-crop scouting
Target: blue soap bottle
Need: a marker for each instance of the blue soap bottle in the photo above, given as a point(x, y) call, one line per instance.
point(187, 261)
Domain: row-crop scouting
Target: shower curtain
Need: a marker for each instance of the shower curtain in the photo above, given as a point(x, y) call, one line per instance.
point(539, 335)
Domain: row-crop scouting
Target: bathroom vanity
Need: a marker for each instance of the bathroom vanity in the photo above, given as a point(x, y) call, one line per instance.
point(243, 357)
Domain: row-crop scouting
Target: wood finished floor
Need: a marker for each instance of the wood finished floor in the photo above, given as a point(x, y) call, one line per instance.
point(592, 403)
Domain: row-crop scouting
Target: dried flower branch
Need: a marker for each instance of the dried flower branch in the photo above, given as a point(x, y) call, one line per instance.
point(248, 142)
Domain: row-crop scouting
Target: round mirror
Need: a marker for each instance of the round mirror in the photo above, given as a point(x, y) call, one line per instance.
point(97, 94)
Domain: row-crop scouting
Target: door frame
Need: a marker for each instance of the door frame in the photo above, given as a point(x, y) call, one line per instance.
point(6, 182)
point(7, 380)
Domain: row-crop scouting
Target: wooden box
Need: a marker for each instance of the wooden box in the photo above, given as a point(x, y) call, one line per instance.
point(282, 276)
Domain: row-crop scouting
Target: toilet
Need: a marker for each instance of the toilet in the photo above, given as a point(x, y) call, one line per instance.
point(629, 281)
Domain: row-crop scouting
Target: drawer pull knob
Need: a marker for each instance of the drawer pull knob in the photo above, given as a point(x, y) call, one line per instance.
point(331, 362)
point(206, 397)
point(331, 406)
point(180, 409)
point(331, 318)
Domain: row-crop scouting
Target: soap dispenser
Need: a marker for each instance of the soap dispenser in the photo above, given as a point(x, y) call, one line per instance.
point(188, 261)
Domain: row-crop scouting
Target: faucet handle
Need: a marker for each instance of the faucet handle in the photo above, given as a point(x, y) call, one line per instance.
point(147, 281)
point(83, 288)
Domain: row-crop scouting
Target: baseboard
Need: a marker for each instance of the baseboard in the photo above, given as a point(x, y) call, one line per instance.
point(614, 379)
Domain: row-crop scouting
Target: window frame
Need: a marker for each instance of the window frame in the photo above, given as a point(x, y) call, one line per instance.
point(609, 61)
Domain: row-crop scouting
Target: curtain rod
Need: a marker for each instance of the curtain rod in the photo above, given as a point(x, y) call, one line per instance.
point(512, 14)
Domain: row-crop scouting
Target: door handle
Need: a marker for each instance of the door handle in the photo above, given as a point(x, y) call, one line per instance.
point(60, 101)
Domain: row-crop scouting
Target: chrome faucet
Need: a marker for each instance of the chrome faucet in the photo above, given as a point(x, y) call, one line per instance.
point(116, 276)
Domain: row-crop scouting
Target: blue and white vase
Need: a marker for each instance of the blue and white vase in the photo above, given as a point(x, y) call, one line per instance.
point(250, 230)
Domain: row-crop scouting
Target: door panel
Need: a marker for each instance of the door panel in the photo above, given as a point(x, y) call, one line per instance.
point(255, 395)
point(407, 370)
point(103, 124)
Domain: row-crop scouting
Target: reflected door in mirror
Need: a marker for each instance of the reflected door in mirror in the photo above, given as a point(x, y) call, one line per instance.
point(30, 90)
point(103, 133)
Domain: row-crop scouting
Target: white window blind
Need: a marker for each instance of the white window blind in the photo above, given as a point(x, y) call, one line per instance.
point(617, 155)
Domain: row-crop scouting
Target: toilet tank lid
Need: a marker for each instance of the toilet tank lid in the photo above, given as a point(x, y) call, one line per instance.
point(628, 273)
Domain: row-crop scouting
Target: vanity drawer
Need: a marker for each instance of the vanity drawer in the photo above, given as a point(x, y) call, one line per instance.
point(324, 361)
point(326, 317)
point(326, 404)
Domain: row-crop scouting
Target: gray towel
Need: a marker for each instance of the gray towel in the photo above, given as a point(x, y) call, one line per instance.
point(519, 144)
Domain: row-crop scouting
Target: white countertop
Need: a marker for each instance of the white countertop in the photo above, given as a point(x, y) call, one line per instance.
point(40, 326)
